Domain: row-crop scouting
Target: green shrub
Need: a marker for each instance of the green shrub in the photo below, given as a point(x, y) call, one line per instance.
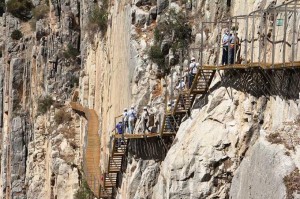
point(62, 116)
point(44, 104)
point(84, 191)
point(74, 80)
point(71, 52)
point(2, 7)
point(40, 11)
point(16, 35)
point(176, 27)
point(32, 23)
point(98, 20)
point(156, 55)
point(20, 8)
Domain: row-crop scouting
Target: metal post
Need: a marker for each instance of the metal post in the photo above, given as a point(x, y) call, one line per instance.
point(246, 40)
point(284, 35)
point(273, 39)
point(234, 35)
point(294, 33)
point(228, 52)
point(218, 45)
point(252, 41)
point(259, 38)
point(265, 40)
point(201, 48)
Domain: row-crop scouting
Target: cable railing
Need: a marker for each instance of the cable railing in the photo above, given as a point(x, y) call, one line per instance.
point(264, 34)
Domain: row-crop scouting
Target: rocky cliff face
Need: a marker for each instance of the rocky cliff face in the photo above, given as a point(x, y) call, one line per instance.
point(238, 142)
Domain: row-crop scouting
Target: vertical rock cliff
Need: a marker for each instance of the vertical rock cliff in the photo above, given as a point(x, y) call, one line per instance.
point(238, 142)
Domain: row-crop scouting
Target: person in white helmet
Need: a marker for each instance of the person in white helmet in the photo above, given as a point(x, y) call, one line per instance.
point(125, 120)
point(131, 119)
point(193, 69)
point(145, 119)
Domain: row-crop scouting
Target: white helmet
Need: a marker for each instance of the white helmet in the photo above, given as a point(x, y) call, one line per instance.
point(145, 108)
point(169, 103)
point(132, 107)
point(125, 109)
point(193, 59)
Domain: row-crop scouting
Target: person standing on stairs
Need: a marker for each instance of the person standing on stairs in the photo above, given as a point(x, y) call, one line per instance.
point(181, 85)
point(169, 116)
point(145, 119)
point(193, 69)
point(131, 119)
point(225, 42)
point(125, 120)
point(120, 128)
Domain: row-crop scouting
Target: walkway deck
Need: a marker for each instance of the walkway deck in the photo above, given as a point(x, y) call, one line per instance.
point(92, 150)
point(169, 126)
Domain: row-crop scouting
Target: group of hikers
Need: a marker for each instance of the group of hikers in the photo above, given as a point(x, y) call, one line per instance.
point(231, 53)
point(129, 119)
point(231, 49)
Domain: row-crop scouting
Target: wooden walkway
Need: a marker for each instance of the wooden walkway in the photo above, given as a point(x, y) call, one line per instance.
point(92, 151)
point(104, 184)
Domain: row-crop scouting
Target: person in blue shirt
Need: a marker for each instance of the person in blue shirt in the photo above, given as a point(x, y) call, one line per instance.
point(225, 43)
point(120, 127)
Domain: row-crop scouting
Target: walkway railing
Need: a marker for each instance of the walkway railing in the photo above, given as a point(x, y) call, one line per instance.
point(263, 35)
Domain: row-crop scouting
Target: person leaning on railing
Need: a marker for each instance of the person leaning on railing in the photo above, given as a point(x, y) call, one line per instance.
point(225, 42)
point(234, 46)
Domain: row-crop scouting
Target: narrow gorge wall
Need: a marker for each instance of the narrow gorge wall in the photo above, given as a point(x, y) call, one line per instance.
point(238, 142)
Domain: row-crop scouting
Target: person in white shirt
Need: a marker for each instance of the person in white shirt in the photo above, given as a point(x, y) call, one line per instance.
point(145, 119)
point(193, 69)
point(225, 43)
point(181, 85)
point(125, 120)
point(131, 119)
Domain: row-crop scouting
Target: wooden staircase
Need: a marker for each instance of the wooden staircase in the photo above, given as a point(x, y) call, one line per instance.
point(202, 82)
point(200, 85)
point(115, 167)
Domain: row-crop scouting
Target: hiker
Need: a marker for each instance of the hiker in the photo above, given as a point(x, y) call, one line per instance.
point(169, 108)
point(181, 84)
point(145, 119)
point(131, 119)
point(125, 120)
point(119, 128)
point(193, 68)
point(234, 46)
point(225, 42)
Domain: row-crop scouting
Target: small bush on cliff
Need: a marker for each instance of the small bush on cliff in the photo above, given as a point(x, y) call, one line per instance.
point(20, 8)
point(44, 104)
point(74, 81)
point(71, 52)
point(155, 54)
point(16, 35)
point(2, 7)
point(40, 11)
point(83, 191)
point(98, 18)
point(62, 116)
